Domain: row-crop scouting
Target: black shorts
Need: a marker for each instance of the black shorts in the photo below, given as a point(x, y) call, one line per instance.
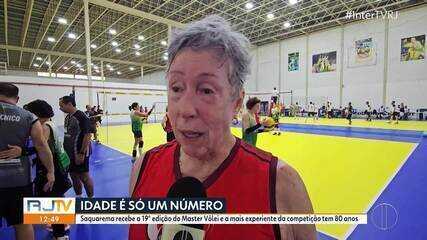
point(311, 114)
point(11, 203)
point(82, 168)
point(349, 116)
point(92, 128)
point(137, 134)
point(395, 114)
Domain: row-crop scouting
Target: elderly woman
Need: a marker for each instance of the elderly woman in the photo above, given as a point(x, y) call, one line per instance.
point(250, 126)
point(208, 65)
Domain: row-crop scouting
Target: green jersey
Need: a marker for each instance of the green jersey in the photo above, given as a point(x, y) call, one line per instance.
point(250, 138)
point(136, 121)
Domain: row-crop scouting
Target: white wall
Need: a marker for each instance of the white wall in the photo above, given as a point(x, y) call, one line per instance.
point(365, 83)
point(295, 80)
point(405, 81)
point(155, 78)
point(268, 67)
point(51, 89)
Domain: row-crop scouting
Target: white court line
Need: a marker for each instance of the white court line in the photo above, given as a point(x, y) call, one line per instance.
point(353, 227)
point(105, 145)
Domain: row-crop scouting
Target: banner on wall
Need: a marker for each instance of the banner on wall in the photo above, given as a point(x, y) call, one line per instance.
point(363, 53)
point(293, 62)
point(412, 48)
point(324, 62)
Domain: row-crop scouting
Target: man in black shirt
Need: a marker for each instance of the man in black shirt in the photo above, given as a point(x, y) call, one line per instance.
point(93, 116)
point(77, 137)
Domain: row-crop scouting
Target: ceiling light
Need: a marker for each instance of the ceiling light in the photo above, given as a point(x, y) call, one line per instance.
point(65, 68)
point(118, 50)
point(108, 65)
point(292, 2)
point(137, 53)
point(137, 46)
point(249, 5)
point(131, 68)
point(36, 65)
point(96, 70)
point(47, 63)
point(72, 36)
point(111, 69)
point(141, 38)
point(73, 62)
point(114, 43)
point(50, 39)
point(270, 16)
point(287, 24)
point(62, 20)
point(165, 57)
point(93, 46)
point(118, 73)
point(39, 58)
point(112, 31)
point(164, 43)
point(78, 65)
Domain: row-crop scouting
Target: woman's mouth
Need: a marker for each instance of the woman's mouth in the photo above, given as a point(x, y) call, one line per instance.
point(191, 134)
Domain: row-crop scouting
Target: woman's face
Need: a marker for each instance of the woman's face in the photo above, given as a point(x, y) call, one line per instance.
point(255, 109)
point(200, 101)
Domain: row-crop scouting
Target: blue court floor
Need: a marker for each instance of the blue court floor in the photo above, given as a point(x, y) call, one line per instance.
point(406, 193)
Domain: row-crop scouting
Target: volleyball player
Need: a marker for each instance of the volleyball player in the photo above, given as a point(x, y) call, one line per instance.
point(368, 111)
point(136, 117)
point(311, 111)
point(275, 115)
point(394, 113)
point(167, 127)
point(349, 112)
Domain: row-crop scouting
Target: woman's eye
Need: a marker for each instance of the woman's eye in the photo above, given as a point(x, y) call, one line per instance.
point(176, 89)
point(207, 91)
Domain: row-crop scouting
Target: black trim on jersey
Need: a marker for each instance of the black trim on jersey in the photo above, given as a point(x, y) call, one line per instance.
point(141, 171)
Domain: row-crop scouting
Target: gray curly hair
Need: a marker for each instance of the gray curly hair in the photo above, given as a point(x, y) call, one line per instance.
point(214, 32)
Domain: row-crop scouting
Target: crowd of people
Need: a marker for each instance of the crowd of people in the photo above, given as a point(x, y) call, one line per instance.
point(393, 113)
point(29, 137)
point(252, 125)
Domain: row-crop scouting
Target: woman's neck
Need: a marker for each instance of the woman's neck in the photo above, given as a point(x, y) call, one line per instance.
point(43, 120)
point(202, 167)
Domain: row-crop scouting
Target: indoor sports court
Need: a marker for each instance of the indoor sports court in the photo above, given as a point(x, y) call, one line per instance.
point(339, 93)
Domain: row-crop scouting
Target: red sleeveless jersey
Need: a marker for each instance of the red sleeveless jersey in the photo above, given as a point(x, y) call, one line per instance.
point(246, 179)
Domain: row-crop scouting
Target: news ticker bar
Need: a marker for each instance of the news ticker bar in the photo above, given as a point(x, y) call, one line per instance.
point(161, 211)
point(195, 218)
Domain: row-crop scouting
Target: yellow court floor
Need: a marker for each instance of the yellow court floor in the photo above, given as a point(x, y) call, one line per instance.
point(342, 175)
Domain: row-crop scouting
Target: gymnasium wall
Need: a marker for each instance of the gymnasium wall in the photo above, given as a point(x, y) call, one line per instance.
point(404, 81)
point(113, 97)
point(155, 78)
